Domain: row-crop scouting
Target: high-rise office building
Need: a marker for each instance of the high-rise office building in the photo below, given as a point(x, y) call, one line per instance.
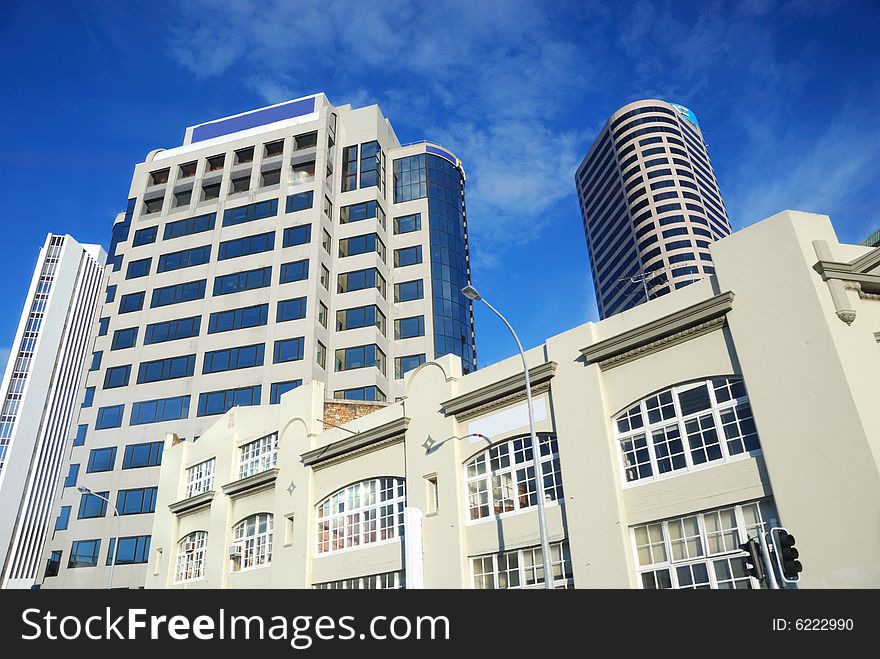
point(650, 204)
point(294, 242)
point(39, 391)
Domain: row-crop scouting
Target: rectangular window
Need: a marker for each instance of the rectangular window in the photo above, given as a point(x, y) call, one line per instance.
point(295, 271)
point(111, 294)
point(403, 365)
point(372, 393)
point(243, 281)
point(63, 519)
point(89, 397)
point(136, 501)
point(124, 338)
point(298, 235)
point(349, 168)
point(240, 183)
point(117, 376)
point(189, 226)
point(171, 330)
point(410, 178)
point(109, 417)
point(81, 431)
point(84, 553)
point(129, 551)
point(294, 309)
point(145, 236)
point(72, 475)
point(169, 368)
point(302, 172)
point(101, 459)
point(177, 293)
point(210, 190)
point(262, 242)
point(355, 317)
point(182, 198)
point(200, 478)
point(258, 456)
point(103, 326)
point(322, 314)
point(432, 494)
point(328, 208)
point(326, 241)
point(348, 359)
point(96, 360)
point(230, 359)
point(225, 321)
point(139, 268)
point(160, 409)
point(280, 388)
point(53, 565)
point(371, 158)
point(250, 213)
point(409, 290)
point(363, 211)
point(300, 201)
point(186, 258)
point(361, 279)
point(220, 402)
point(131, 302)
point(408, 223)
point(522, 568)
point(92, 505)
point(325, 277)
point(148, 454)
point(406, 328)
point(407, 256)
point(244, 156)
point(288, 350)
point(362, 245)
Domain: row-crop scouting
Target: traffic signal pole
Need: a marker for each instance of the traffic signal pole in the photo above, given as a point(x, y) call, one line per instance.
point(769, 569)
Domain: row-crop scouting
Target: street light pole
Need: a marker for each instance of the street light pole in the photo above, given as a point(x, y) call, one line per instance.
point(85, 490)
point(471, 293)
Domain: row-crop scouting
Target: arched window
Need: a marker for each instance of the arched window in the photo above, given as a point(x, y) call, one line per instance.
point(502, 478)
point(685, 427)
point(253, 538)
point(191, 557)
point(365, 513)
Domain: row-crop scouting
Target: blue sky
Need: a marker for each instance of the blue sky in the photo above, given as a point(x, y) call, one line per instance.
point(786, 92)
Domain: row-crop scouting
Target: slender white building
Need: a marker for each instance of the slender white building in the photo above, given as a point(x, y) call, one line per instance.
point(39, 391)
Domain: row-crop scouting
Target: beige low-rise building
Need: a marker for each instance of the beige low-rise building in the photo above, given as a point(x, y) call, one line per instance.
point(669, 434)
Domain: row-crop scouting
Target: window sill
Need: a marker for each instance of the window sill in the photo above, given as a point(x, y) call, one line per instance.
point(192, 504)
point(252, 484)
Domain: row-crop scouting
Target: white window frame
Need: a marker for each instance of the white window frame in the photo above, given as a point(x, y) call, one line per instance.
point(200, 478)
point(255, 547)
point(384, 581)
point(478, 471)
point(677, 423)
point(706, 558)
point(258, 456)
point(513, 562)
point(362, 514)
point(191, 553)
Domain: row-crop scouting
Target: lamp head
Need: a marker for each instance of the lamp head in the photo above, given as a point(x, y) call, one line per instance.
point(83, 489)
point(470, 292)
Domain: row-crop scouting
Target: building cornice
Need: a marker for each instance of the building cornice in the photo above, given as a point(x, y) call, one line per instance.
point(387, 434)
point(503, 392)
point(856, 275)
point(682, 325)
point(252, 484)
point(192, 504)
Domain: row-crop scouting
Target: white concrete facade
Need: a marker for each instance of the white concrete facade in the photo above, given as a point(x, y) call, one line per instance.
point(39, 394)
point(679, 428)
point(293, 250)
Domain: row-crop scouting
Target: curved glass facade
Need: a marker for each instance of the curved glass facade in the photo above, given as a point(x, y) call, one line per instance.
point(428, 175)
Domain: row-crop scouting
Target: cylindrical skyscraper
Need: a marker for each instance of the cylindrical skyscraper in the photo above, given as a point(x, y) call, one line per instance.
point(650, 204)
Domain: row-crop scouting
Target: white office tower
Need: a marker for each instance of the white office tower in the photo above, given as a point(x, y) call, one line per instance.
point(40, 389)
point(295, 242)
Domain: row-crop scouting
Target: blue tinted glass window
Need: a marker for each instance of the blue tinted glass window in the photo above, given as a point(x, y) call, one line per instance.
point(224, 321)
point(166, 369)
point(291, 309)
point(124, 338)
point(129, 551)
point(136, 501)
point(96, 360)
point(81, 431)
point(408, 223)
point(139, 268)
point(171, 330)
point(162, 409)
point(89, 397)
point(217, 361)
point(177, 293)
point(360, 393)
point(148, 454)
point(250, 213)
point(299, 235)
point(230, 249)
point(103, 326)
point(131, 302)
point(111, 294)
point(145, 236)
point(407, 256)
point(288, 350)
point(184, 259)
point(300, 202)
point(63, 519)
point(117, 376)
point(190, 226)
point(409, 290)
point(406, 364)
point(92, 505)
point(243, 281)
point(72, 474)
point(220, 402)
point(84, 553)
point(362, 211)
point(405, 328)
point(109, 417)
point(281, 388)
point(102, 459)
point(296, 271)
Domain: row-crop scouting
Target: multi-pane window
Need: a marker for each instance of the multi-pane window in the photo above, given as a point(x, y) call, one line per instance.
point(278, 389)
point(362, 211)
point(124, 338)
point(522, 568)
point(139, 268)
point(355, 245)
point(84, 553)
point(407, 328)
point(81, 431)
point(199, 478)
point(349, 168)
point(407, 256)
point(170, 368)
point(408, 223)
point(371, 392)
point(109, 417)
point(233, 319)
point(217, 361)
point(403, 365)
point(253, 537)
point(161, 409)
point(372, 165)
point(258, 456)
point(189, 226)
point(177, 293)
point(171, 330)
point(383, 581)
point(101, 459)
point(409, 290)
point(685, 427)
point(148, 454)
point(243, 281)
point(257, 244)
point(502, 478)
point(184, 259)
point(136, 501)
point(294, 309)
point(129, 550)
point(130, 302)
point(410, 178)
point(361, 514)
point(299, 235)
point(144, 236)
point(250, 213)
point(288, 350)
point(117, 376)
point(361, 279)
point(294, 271)
point(354, 357)
point(355, 317)
point(300, 201)
point(220, 402)
point(93, 505)
point(700, 551)
point(191, 551)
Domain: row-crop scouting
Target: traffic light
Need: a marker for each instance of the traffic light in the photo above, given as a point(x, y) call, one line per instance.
point(786, 555)
point(752, 561)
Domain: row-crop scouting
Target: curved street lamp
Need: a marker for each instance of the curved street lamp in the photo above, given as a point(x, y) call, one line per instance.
point(471, 293)
point(84, 490)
